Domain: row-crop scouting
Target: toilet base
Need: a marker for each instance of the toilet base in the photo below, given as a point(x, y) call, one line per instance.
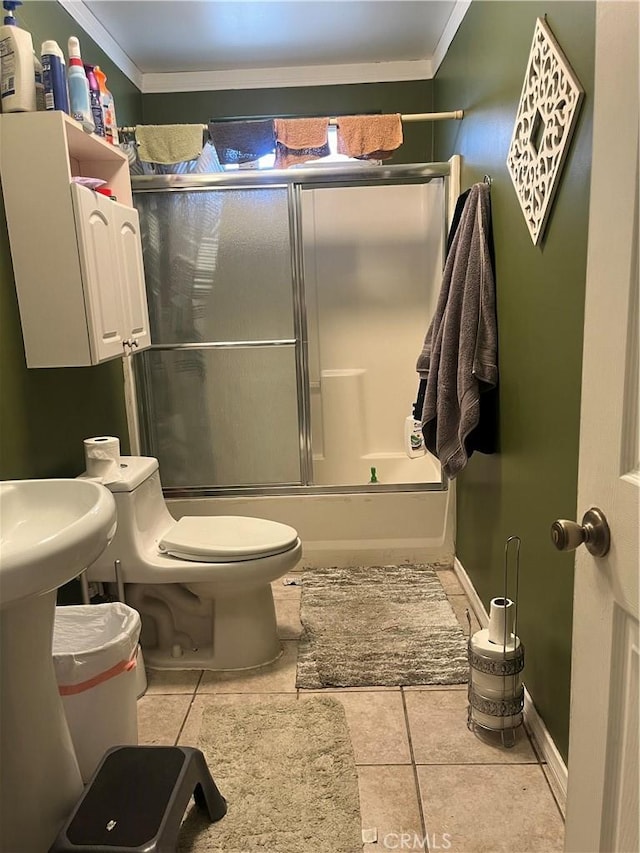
point(201, 658)
point(243, 632)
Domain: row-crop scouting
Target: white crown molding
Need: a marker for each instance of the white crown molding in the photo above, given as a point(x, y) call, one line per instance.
point(92, 26)
point(303, 75)
point(457, 16)
point(265, 78)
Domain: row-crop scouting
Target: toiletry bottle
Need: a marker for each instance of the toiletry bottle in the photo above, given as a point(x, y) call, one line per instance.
point(55, 78)
point(79, 100)
point(39, 81)
point(94, 97)
point(413, 438)
point(17, 81)
point(108, 107)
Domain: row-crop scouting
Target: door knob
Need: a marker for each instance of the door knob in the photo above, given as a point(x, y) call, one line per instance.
point(594, 532)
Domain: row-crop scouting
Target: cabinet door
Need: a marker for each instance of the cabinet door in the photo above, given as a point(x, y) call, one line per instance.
point(126, 230)
point(100, 273)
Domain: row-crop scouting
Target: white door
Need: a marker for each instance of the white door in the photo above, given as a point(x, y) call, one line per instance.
point(126, 231)
point(100, 272)
point(602, 807)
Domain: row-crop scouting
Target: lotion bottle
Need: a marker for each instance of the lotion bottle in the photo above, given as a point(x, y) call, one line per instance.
point(17, 73)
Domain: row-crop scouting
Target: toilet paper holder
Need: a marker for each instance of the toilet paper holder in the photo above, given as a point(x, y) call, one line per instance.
point(496, 661)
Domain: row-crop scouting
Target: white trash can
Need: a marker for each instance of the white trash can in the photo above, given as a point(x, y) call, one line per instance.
point(94, 656)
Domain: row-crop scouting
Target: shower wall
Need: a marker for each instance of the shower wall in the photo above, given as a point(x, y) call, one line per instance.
point(372, 274)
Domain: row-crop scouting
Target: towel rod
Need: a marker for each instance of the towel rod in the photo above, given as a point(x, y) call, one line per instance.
point(454, 114)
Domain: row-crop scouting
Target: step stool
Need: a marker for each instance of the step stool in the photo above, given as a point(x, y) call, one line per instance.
point(136, 800)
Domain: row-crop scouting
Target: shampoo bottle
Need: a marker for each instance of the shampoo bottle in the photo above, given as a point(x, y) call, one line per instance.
point(54, 76)
point(413, 438)
point(17, 80)
point(108, 107)
point(79, 101)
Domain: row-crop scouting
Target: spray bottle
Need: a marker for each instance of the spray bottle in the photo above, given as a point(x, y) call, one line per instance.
point(79, 100)
point(108, 107)
point(17, 79)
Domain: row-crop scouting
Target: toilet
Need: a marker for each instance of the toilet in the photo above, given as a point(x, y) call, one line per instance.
point(202, 585)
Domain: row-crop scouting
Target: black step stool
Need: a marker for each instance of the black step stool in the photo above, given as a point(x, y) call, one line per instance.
point(136, 800)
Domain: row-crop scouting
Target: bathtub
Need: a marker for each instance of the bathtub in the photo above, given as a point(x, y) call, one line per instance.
point(350, 529)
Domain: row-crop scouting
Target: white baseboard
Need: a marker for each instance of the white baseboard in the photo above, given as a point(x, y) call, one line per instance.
point(535, 725)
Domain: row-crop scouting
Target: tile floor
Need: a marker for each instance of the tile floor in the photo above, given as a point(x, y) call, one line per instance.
point(425, 781)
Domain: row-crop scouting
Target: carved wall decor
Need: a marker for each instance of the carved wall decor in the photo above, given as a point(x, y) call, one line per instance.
point(547, 114)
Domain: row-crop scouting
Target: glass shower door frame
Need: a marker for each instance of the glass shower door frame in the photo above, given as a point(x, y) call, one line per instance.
point(298, 342)
point(295, 181)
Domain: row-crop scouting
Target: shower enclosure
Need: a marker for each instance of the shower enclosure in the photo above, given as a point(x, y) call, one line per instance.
point(287, 311)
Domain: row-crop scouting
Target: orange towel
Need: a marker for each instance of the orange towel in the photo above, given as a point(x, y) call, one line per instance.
point(301, 133)
point(300, 139)
point(369, 137)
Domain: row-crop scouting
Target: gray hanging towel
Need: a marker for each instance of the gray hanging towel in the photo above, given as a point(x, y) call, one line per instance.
point(242, 141)
point(459, 357)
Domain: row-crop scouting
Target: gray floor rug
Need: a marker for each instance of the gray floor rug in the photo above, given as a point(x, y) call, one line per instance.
point(367, 626)
point(287, 771)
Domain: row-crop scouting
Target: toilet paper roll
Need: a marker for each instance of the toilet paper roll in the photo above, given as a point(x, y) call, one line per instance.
point(102, 457)
point(483, 645)
point(501, 620)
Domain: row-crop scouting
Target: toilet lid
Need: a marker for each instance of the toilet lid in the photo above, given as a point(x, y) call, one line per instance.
point(227, 538)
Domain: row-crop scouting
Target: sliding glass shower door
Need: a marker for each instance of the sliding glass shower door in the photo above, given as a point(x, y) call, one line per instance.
point(221, 384)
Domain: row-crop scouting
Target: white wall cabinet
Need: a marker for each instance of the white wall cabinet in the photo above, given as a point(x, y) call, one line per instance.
point(111, 265)
point(77, 257)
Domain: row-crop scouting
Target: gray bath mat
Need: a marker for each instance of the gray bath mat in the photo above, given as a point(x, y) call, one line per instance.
point(368, 626)
point(287, 771)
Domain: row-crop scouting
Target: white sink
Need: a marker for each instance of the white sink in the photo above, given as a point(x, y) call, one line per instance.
point(50, 531)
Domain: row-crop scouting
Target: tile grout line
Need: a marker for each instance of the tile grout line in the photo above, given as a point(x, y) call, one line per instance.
point(555, 799)
point(190, 706)
point(414, 768)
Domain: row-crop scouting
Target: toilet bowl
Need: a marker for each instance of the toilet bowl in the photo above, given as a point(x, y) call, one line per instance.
point(202, 585)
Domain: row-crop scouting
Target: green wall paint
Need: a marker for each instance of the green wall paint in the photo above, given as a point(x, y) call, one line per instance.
point(45, 414)
point(409, 97)
point(540, 297)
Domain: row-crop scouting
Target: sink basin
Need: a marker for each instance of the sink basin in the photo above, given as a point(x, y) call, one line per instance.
point(50, 530)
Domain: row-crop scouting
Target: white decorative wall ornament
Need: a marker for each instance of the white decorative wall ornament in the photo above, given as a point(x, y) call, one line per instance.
point(547, 114)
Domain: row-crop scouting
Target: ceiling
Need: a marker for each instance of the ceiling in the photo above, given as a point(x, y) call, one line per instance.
point(194, 44)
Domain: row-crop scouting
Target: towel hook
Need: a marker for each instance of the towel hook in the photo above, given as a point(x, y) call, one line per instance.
point(488, 180)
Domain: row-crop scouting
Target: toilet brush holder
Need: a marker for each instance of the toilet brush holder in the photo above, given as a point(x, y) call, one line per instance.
point(496, 661)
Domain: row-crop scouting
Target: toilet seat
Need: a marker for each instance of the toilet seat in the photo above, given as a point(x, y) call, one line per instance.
point(226, 539)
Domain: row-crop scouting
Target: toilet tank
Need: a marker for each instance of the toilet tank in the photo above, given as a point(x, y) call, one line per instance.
point(142, 515)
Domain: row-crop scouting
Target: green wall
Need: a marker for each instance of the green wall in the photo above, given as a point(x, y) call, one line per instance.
point(406, 97)
point(46, 413)
point(540, 298)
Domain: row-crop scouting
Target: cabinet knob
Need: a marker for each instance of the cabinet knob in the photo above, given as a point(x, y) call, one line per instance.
point(134, 343)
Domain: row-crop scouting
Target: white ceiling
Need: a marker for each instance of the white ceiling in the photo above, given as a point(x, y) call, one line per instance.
point(198, 44)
